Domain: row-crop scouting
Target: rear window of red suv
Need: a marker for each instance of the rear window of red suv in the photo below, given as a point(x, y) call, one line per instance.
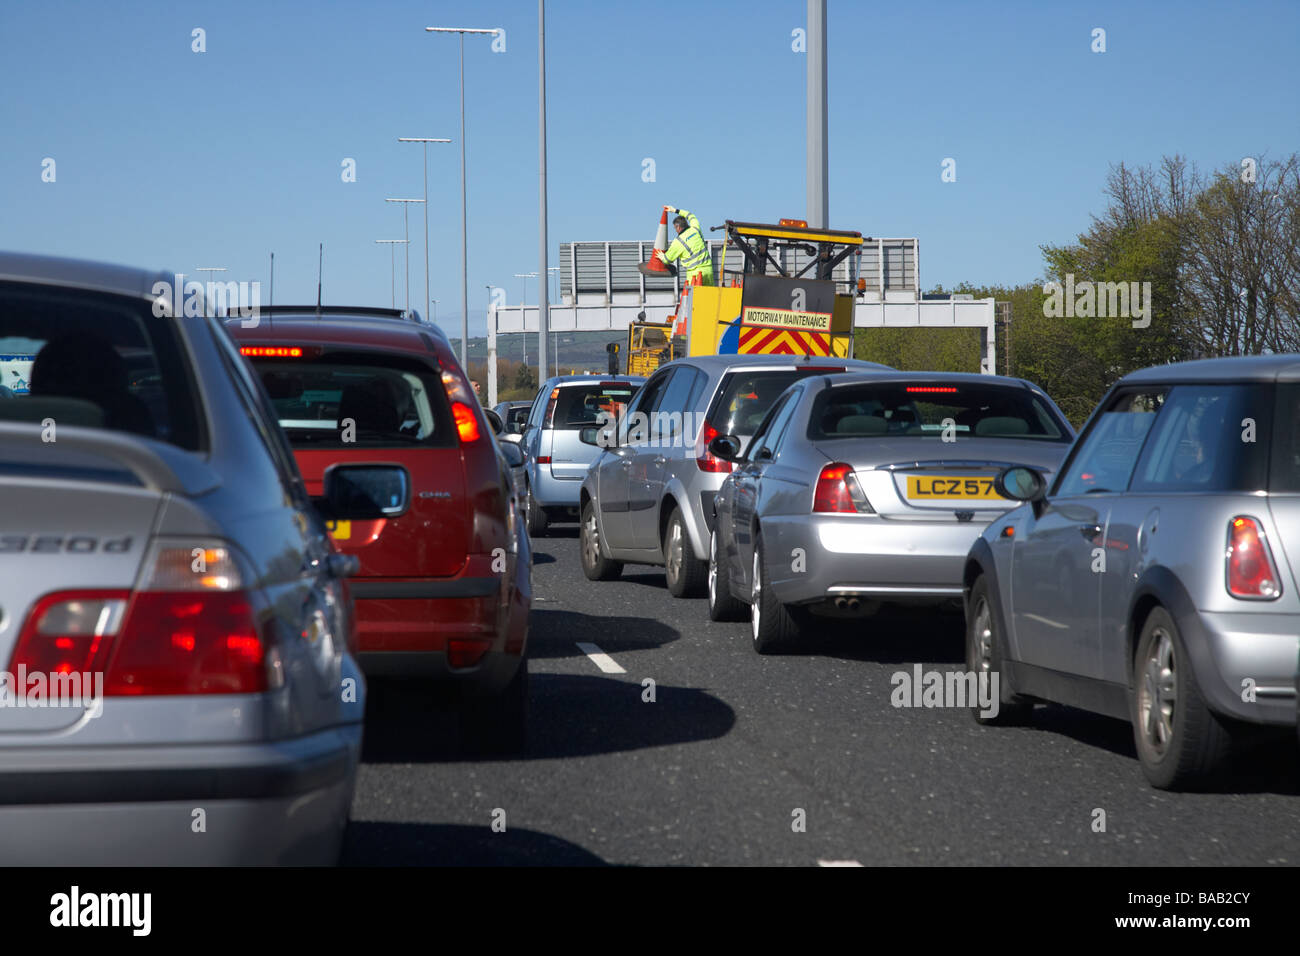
point(358, 401)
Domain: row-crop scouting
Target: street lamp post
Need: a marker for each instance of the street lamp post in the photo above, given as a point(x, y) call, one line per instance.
point(555, 336)
point(434, 303)
point(208, 269)
point(424, 141)
point(406, 204)
point(464, 236)
point(392, 264)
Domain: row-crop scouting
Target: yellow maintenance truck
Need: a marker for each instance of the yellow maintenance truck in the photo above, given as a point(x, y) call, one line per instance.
point(784, 300)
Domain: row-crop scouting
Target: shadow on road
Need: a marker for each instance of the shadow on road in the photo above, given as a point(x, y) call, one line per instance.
point(427, 844)
point(568, 716)
point(895, 635)
point(555, 633)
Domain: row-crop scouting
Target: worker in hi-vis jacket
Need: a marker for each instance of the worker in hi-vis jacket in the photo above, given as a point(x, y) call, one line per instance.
point(691, 247)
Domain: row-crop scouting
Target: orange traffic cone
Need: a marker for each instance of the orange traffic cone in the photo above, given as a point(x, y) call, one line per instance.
point(657, 266)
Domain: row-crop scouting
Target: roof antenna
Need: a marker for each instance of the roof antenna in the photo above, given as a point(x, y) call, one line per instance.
point(320, 263)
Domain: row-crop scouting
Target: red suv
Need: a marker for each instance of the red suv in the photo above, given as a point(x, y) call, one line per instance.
point(444, 588)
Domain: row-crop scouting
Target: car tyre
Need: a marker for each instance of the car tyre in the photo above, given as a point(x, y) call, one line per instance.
point(723, 605)
point(534, 517)
point(499, 724)
point(687, 575)
point(595, 565)
point(773, 626)
point(1181, 743)
point(984, 654)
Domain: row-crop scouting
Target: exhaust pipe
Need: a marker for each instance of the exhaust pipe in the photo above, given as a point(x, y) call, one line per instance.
point(847, 603)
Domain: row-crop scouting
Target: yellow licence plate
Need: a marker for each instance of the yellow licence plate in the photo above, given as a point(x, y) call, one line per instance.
point(925, 487)
point(339, 530)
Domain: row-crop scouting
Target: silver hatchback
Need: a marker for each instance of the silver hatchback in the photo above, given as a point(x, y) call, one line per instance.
point(1154, 579)
point(648, 499)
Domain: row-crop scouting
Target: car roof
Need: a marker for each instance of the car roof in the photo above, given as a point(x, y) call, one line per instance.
point(338, 329)
point(81, 273)
point(721, 363)
point(957, 378)
point(1240, 368)
point(561, 381)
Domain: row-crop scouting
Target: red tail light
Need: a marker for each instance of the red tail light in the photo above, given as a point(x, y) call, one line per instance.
point(1251, 570)
point(462, 405)
point(549, 418)
point(838, 491)
point(707, 461)
point(70, 632)
point(465, 651)
point(543, 459)
point(178, 642)
point(159, 642)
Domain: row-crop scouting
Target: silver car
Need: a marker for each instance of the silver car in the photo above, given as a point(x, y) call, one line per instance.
point(1154, 579)
point(865, 489)
point(178, 682)
point(556, 460)
point(648, 499)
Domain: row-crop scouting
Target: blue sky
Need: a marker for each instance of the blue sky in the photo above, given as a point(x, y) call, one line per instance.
point(174, 159)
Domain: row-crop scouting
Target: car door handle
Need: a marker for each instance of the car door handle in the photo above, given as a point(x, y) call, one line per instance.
point(1090, 531)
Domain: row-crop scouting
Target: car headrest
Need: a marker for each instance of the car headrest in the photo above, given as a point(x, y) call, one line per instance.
point(861, 425)
point(1002, 426)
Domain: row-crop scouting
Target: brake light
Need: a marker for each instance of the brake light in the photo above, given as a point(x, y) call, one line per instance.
point(550, 408)
point(830, 369)
point(192, 630)
point(70, 632)
point(932, 389)
point(270, 351)
point(462, 406)
point(838, 492)
point(707, 461)
point(1252, 574)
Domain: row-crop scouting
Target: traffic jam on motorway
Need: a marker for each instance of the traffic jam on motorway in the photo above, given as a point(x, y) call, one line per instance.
point(735, 549)
point(218, 529)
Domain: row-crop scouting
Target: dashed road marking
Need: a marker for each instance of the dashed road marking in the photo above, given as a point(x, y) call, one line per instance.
point(838, 863)
point(600, 658)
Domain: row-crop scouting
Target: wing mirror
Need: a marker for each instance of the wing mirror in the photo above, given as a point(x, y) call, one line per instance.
point(726, 447)
point(1020, 483)
point(360, 492)
point(514, 455)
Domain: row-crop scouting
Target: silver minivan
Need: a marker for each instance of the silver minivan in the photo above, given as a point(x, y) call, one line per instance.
point(648, 498)
point(556, 460)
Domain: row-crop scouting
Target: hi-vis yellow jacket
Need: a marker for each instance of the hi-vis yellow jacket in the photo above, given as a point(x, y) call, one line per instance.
point(692, 249)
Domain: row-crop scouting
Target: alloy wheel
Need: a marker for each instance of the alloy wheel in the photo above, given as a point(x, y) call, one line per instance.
point(1159, 693)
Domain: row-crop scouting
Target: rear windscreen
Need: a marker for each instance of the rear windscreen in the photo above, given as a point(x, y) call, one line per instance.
point(357, 402)
point(937, 410)
point(96, 361)
point(578, 406)
point(745, 398)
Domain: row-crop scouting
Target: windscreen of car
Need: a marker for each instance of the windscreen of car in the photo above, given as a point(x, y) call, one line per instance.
point(97, 361)
point(339, 401)
point(933, 410)
point(745, 397)
point(578, 406)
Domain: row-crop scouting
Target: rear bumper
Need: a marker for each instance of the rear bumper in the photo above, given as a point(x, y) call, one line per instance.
point(1229, 649)
point(280, 802)
point(872, 559)
point(551, 492)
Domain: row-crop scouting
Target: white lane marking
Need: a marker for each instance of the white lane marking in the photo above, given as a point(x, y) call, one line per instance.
point(600, 658)
point(838, 863)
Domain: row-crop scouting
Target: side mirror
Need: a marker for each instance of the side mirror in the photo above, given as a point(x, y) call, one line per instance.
point(494, 421)
point(513, 454)
point(602, 436)
point(360, 492)
point(1020, 483)
point(726, 447)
